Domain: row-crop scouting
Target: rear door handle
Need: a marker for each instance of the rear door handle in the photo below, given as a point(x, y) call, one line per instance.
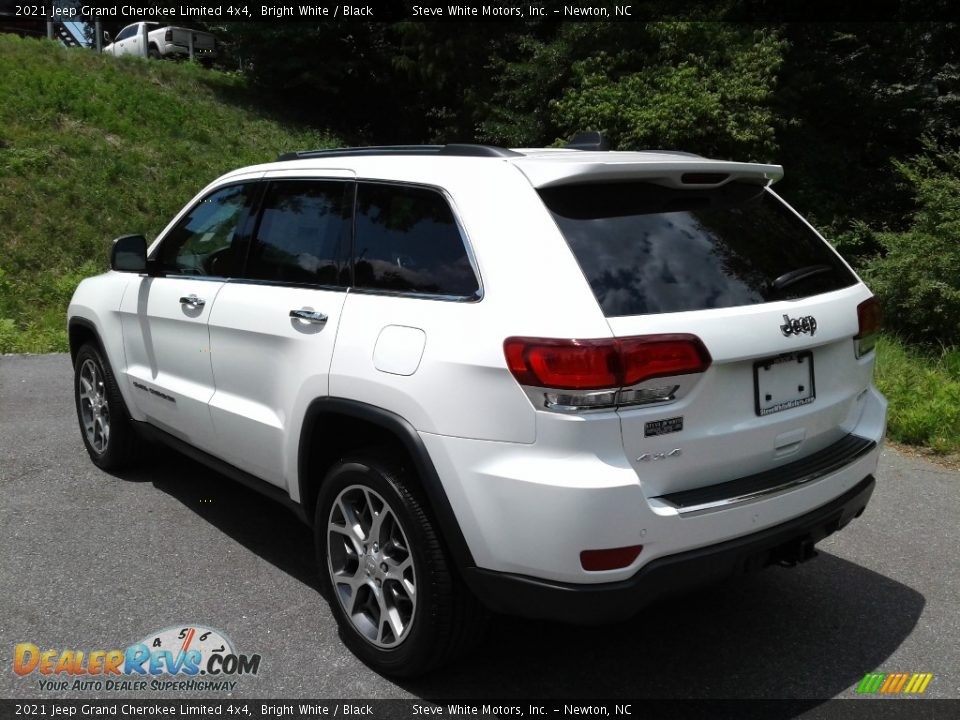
point(192, 301)
point(311, 316)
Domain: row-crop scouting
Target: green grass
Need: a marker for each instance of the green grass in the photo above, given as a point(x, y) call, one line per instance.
point(924, 393)
point(94, 147)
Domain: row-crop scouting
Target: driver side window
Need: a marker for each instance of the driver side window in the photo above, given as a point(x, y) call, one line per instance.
point(208, 240)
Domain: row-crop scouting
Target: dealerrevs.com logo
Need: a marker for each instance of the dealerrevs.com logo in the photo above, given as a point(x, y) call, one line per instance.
point(187, 657)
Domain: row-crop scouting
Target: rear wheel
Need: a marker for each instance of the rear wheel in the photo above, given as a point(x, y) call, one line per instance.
point(153, 53)
point(398, 602)
point(105, 426)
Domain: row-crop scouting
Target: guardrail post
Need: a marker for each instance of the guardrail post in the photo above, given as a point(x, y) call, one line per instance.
point(144, 39)
point(98, 35)
point(190, 45)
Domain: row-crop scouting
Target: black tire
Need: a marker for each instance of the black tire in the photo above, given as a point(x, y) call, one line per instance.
point(119, 446)
point(153, 53)
point(446, 619)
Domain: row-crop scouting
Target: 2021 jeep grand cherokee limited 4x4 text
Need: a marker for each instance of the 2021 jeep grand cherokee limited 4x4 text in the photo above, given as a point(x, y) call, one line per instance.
point(556, 383)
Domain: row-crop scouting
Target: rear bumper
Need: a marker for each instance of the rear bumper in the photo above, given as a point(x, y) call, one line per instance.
point(529, 510)
point(668, 575)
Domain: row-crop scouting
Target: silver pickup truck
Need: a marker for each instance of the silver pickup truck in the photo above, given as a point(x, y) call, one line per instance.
point(161, 41)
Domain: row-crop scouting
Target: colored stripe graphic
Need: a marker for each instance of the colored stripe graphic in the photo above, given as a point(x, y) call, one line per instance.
point(898, 683)
point(923, 680)
point(894, 683)
point(871, 683)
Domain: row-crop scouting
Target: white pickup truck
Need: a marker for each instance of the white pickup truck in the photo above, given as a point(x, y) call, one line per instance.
point(160, 41)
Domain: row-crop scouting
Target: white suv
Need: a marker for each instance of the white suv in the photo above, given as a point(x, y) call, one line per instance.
point(559, 383)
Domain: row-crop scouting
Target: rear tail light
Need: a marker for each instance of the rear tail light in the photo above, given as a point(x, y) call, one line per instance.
point(168, 35)
point(612, 559)
point(601, 373)
point(869, 320)
point(564, 364)
point(653, 356)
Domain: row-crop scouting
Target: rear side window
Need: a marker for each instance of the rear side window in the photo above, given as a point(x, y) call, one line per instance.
point(650, 249)
point(408, 241)
point(303, 234)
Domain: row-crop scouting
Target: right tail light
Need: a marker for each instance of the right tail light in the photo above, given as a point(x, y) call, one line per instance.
point(869, 321)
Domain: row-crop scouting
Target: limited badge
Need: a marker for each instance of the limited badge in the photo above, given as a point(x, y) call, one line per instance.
point(662, 427)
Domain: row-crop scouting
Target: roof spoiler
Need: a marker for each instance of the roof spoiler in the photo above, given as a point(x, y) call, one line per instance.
point(677, 171)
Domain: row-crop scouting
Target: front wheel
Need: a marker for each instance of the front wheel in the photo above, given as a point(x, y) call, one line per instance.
point(399, 604)
point(107, 430)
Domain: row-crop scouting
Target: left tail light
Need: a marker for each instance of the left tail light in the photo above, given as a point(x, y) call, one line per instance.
point(585, 374)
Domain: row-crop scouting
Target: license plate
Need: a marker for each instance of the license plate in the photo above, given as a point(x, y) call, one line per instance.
point(783, 382)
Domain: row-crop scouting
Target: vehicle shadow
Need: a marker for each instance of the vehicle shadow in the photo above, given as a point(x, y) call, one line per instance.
point(807, 632)
point(265, 527)
point(802, 633)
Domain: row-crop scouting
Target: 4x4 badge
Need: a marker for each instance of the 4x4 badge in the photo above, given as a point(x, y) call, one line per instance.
point(806, 324)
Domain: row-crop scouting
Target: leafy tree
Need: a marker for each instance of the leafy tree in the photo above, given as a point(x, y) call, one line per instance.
point(531, 73)
point(917, 276)
point(443, 68)
point(851, 98)
point(703, 87)
point(332, 75)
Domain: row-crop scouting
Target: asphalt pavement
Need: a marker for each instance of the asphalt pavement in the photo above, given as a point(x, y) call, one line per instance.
point(94, 561)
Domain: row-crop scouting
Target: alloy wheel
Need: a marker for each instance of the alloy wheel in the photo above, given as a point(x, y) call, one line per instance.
point(94, 408)
point(371, 566)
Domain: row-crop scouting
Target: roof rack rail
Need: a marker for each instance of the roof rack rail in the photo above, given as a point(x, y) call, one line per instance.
point(453, 149)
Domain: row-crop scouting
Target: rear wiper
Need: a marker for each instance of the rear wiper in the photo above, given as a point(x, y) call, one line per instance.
point(795, 276)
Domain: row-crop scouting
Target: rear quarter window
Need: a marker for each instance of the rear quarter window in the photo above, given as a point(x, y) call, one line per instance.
point(407, 241)
point(650, 249)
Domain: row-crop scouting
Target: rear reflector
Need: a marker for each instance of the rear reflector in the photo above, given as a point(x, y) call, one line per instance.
point(612, 559)
point(869, 321)
point(603, 364)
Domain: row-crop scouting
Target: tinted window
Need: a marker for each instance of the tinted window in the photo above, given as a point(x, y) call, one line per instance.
point(208, 240)
point(303, 232)
point(651, 249)
point(128, 31)
point(407, 240)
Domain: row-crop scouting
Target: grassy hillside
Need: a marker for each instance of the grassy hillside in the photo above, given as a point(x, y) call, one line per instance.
point(93, 147)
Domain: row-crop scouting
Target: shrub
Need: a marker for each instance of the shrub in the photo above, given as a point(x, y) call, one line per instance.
point(917, 274)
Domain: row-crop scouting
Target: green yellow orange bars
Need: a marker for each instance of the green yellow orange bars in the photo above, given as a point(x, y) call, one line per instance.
point(894, 683)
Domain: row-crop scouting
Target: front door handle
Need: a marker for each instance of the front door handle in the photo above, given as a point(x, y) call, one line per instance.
point(193, 302)
point(311, 316)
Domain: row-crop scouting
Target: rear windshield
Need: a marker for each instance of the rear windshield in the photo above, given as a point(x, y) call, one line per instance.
point(651, 249)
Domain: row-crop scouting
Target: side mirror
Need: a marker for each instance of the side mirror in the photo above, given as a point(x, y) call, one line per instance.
point(129, 254)
point(106, 36)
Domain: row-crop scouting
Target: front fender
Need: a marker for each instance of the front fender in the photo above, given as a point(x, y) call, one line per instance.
point(95, 307)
